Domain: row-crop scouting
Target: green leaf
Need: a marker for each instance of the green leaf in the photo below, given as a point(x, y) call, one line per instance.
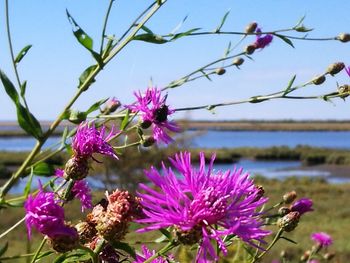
point(146, 29)
point(288, 239)
point(177, 83)
point(125, 247)
point(22, 53)
point(227, 50)
point(64, 137)
point(222, 21)
point(285, 39)
point(150, 38)
point(26, 190)
point(74, 256)
point(4, 248)
point(28, 122)
point(9, 87)
point(44, 169)
point(289, 87)
point(183, 34)
point(178, 26)
point(303, 29)
point(125, 120)
point(95, 106)
point(301, 20)
point(205, 75)
point(77, 117)
point(165, 232)
point(84, 39)
point(23, 88)
point(86, 74)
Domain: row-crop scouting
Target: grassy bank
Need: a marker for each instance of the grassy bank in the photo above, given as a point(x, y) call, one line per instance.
point(331, 215)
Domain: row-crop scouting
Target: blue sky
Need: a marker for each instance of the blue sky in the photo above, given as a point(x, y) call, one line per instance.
point(56, 60)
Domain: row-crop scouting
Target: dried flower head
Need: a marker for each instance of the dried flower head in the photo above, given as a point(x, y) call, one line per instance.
point(89, 140)
point(198, 200)
point(322, 239)
point(154, 112)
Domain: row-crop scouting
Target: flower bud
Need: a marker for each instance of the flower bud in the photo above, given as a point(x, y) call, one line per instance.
point(148, 141)
point(65, 242)
point(76, 168)
point(335, 68)
point(344, 37)
point(305, 256)
point(250, 49)
point(284, 211)
point(329, 256)
point(250, 28)
point(289, 197)
point(111, 105)
point(344, 91)
point(238, 61)
point(318, 80)
point(220, 71)
point(289, 222)
point(146, 124)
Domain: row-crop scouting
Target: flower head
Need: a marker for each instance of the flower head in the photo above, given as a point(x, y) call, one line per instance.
point(347, 69)
point(322, 239)
point(302, 206)
point(89, 140)
point(262, 41)
point(44, 213)
point(155, 112)
point(80, 190)
point(148, 253)
point(200, 199)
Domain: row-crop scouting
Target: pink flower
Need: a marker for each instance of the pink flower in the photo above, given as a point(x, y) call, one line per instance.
point(148, 253)
point(197, 201)
point(302, 206)
point(154, 112)
point(262, 41)
point(89, 140)
point(322, 239)
point(347, 69)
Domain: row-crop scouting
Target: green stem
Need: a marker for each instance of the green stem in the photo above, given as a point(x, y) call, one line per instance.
point(37, 253)
point(105, 25)
point(276, 238)
point(12, 227)
point(162, 252)
point(127, 145)
point(20, 256)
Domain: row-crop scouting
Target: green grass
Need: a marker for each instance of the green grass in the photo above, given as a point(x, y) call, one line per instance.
point(331, 215)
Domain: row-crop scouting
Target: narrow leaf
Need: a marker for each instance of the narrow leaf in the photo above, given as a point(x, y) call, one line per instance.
point(22, 53)
point(23, 88)
point(26, 190)
point(150, 38)
point(28, 122)
point(44, 169)
point(80, 34)
point(288, 239)
point(183, 34)
point(125, 120)
point(301, 20)
point(86, 74)
point(146, 29)
point(285, 39)
point(95, 106)
point(227, 50)
point(4, 248)
point(125, 247)
point(178, 26)
point(64, 137)
point(205, 75)
point(290, 84)
point(222, 21)
point(9, 87)
point(165, 232)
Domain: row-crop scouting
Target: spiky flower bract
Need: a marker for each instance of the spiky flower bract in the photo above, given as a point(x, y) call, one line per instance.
point(80, 190)
point(154, 112)
point(302, 206)
point(322, 239)
point(202, 204)
point(89, 140)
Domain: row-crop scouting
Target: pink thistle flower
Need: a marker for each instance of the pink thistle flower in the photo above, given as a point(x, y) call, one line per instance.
point(148, 253)
point(198, 200)
point(44, 213)
point(302, 206)
point(347, 69)
point(89, 140)
point(322, 239)
point(155, 112)
point(80, 190)
point(262, 41)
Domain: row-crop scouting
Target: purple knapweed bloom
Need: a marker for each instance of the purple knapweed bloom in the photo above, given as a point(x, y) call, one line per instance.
point(80, 190)
point(89, 140)
point(44, 213)
point(202, 205)
point(347, 69)
point(148, 253)
point(155, 112)
point(322, 239)
point(302, 206)
point(262, 41)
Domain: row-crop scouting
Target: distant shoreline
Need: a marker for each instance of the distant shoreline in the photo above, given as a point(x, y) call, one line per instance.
point(11, 129)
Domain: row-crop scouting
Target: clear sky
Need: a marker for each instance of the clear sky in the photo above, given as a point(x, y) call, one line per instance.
point(56, 60)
